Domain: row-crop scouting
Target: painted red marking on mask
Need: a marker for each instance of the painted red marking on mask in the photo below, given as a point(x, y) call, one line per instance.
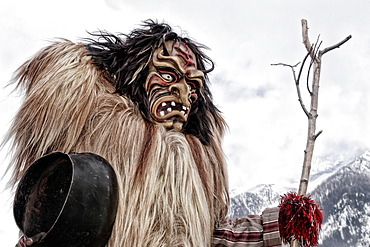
point(185, 55)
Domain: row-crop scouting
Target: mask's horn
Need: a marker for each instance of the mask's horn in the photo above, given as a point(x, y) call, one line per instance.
point(165, 52)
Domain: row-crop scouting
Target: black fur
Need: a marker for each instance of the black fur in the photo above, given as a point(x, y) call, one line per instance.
point(123, 55)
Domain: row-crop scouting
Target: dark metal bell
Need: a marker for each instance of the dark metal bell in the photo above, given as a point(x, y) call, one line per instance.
point(67, 201)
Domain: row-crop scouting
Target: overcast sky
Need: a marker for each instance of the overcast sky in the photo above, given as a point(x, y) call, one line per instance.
point(267, 127)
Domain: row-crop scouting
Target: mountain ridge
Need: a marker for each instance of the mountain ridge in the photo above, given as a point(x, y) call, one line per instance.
point(341, 188)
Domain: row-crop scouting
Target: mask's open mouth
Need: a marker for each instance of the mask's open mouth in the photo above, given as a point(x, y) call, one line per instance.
point(168, 109)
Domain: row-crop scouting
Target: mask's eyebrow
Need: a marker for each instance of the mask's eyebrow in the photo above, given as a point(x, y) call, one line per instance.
point(195, 74)
point(161, 69)
point(196, 81)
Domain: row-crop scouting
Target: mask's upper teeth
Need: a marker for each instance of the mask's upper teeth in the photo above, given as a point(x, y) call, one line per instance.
point(183, 107)
point(161, 113)
point(187, 108)
point(169, 109)
point(164, 104)
point(173, 103)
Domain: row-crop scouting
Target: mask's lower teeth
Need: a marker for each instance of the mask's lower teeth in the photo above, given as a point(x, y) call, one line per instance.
point(171, 107)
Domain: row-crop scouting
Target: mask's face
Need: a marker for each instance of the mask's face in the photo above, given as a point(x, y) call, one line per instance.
point(172, 83)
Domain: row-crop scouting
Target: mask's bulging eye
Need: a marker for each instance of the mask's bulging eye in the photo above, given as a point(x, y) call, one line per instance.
point(167, 77)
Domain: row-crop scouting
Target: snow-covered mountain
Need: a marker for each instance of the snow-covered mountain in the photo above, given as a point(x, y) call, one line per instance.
point(253, 201)
point(345, 198)
point(340, 184)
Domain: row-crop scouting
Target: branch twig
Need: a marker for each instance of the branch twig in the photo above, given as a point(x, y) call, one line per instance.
point(336, 45)
point(315, 51)
point(296, 80)
point(304, 61)
point(314, 137)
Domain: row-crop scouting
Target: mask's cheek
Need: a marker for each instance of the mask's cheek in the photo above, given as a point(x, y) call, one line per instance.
point(193, 97)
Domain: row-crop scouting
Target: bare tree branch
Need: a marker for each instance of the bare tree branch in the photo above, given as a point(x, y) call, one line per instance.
point(304, 61)
point(296, 80)
point(336, 45)
point(301, 102)
point(288, 65)
point(306, 41)
point(317, 135)
point(315, 51)
point(315, 54)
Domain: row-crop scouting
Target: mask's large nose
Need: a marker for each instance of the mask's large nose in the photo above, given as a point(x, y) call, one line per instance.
point(181, 91)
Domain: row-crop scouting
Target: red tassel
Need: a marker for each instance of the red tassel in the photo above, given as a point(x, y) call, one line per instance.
point(299, 218)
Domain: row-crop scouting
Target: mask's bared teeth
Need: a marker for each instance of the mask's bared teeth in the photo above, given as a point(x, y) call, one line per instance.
point(168, 107)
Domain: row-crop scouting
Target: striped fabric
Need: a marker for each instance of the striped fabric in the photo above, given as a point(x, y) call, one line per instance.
point(250, 231)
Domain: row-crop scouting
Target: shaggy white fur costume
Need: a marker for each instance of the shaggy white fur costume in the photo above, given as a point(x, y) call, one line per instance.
point(173, 189)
